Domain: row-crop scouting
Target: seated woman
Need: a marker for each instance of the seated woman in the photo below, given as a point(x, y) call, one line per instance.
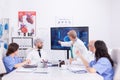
point(11, 61)
point(103, 64)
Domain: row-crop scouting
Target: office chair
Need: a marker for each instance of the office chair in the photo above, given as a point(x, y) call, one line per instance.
point(115, 55)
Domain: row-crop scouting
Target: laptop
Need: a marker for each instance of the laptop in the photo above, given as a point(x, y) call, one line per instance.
point(30, 66)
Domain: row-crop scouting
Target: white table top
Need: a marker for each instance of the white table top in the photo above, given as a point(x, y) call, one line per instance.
point(51, 73)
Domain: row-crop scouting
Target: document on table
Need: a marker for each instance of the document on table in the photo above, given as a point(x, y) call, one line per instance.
point(77, 69)
point(41, 71)
point(25, 70)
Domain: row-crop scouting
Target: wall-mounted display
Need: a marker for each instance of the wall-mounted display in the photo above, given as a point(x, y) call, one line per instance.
point(26, 23)
point(60, 33)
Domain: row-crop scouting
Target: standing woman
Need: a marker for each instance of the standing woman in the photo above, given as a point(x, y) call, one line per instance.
point(11, 61)
point(103, 64)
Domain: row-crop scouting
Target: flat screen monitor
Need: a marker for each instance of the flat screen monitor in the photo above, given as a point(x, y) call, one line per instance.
point(60, 33)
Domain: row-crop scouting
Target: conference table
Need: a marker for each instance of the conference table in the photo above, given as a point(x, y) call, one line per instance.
point(50, 73)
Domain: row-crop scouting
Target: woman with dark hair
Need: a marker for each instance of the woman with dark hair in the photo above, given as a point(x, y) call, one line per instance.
point(103, 64)
point(11, 61)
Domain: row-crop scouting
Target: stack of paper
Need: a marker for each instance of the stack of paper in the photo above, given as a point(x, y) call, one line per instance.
point(25, 70)
point(41, 70)
point(77, 69)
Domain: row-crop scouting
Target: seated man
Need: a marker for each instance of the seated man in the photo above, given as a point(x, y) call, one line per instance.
point(91, 47)
point(37, 54)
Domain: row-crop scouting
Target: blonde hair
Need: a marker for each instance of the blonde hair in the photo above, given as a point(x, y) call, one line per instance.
point(72, 33)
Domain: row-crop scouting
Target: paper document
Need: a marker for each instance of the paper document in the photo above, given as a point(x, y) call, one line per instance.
point(25, 70)
point(41, 70)
point(77, 69)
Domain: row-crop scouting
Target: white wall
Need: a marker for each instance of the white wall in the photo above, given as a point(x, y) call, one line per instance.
point(115, 29)
point(93, 13)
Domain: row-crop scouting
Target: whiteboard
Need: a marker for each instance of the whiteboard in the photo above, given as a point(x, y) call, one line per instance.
point(23, 42)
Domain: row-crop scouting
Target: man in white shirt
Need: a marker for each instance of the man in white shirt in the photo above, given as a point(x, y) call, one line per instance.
point(91, 52)
point(37, 54)
point(76, 44)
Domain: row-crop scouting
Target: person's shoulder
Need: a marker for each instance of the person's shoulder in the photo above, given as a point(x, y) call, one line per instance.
point(32, 50)
point(104, 60)
point(16, 57)
point(42, 50)
point(80, 41)
point(6, 58)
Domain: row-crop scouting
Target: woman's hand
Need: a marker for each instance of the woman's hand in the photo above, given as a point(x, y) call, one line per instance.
point(22, 64)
